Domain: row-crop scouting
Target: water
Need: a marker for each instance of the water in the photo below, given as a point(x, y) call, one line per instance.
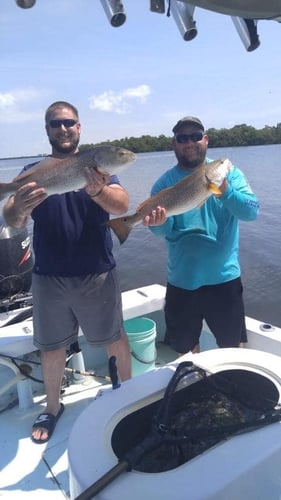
point(141, 259)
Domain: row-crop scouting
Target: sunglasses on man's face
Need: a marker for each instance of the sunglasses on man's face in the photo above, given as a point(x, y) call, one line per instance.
point(66, 123)
point(194, 137)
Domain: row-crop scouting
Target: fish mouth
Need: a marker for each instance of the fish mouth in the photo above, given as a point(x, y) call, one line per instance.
point(127, 156)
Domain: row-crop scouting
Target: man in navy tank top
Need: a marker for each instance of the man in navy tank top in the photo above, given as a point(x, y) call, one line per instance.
point(74, 280)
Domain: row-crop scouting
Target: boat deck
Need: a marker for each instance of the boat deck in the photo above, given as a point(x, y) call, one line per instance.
point(30, 470)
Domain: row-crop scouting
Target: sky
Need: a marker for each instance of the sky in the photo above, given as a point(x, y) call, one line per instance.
point(133, 80)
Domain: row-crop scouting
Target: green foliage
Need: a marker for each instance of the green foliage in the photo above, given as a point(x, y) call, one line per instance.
point(239, 135)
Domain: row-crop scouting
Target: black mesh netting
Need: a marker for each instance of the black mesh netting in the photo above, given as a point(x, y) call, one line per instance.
point(190, 420)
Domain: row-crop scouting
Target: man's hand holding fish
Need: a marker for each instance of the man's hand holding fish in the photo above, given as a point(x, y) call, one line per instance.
point(26, 198)
point(96, 180)
point(156, 218)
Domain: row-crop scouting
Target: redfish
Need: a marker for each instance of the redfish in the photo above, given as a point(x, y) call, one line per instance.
point(187, 194)
point(60, 175)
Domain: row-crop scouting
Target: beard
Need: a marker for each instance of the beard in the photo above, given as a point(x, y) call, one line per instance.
point(195, 160)
point(64, 148)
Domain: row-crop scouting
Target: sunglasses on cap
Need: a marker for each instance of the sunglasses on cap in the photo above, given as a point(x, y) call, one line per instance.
point(194, 137)
point(67, 123)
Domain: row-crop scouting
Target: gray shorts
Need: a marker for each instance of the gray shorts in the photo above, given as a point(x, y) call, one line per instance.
point(61, 304)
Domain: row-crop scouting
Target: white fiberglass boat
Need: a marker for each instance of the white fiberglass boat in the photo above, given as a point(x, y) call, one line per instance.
point(104, 423)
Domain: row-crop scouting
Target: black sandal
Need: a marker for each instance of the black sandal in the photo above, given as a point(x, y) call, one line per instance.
point(48, 422)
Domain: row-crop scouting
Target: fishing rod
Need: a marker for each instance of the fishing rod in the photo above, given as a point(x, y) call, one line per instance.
point(86, 373)
point(25, 369)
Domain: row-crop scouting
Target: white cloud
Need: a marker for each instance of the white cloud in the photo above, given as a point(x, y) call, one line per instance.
point(13, 103)
point(119, 102)
point(6, 100)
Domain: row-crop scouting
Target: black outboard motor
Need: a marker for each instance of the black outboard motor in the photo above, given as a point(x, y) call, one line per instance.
point(15, 261)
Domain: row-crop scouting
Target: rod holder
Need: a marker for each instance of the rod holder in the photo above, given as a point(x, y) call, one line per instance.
point(115, 12)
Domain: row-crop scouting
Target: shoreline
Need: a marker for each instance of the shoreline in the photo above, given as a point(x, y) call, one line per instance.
point(22, 157)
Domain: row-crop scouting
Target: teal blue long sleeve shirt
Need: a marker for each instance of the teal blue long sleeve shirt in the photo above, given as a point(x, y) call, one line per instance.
point(203, 244)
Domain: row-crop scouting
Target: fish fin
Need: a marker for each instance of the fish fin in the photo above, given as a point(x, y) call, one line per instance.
point(121, 227)
point(214, 188)
point(102, 171)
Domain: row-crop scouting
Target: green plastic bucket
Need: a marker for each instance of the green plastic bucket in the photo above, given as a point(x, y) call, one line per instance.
point(141, 336)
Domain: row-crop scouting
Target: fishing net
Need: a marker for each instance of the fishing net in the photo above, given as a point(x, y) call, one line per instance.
point(190, 420)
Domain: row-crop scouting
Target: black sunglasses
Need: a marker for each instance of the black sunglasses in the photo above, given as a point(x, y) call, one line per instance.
point(194, 137)
point(66, 123)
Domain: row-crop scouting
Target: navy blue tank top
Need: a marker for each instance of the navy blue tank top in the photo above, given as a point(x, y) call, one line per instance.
point(69, 237)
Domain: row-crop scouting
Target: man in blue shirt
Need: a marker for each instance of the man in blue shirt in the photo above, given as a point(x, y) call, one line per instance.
point(74, 278)
point(203, 270)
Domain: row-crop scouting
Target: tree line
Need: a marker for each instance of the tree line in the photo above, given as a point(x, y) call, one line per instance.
point(239, 135)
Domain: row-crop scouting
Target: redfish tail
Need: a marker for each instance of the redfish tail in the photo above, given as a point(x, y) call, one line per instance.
point(121, 226)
